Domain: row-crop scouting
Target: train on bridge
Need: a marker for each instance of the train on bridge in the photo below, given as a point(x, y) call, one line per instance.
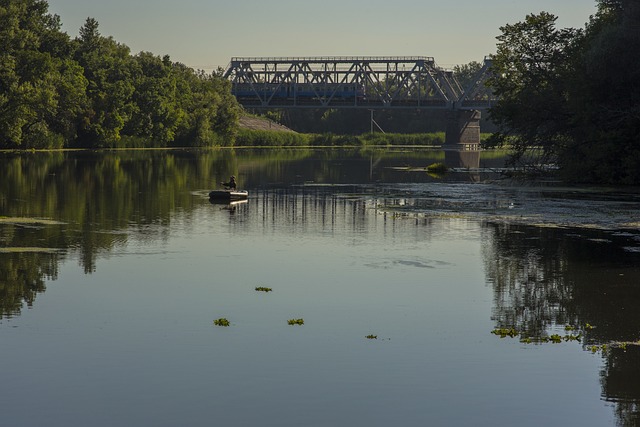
point(299, 91)
point(331, 95)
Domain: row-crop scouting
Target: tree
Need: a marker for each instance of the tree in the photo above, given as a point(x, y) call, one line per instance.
point(212, 111)
point(36, 77)
point(605, 92)
point(90, 91)
point(107, 66)
point(530, 77)
point(157, 116)
point(466, 73)
point(573, 93)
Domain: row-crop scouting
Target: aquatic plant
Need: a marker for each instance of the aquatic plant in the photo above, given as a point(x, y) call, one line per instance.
point(295, 321)
point(505, 332)
point(555, 338)
point(437, 168)
point(263, 289)
point(526, 339)
point(221, 322)
point(371, 337)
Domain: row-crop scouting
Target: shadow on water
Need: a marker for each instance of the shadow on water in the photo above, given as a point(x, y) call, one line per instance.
point(550, 261)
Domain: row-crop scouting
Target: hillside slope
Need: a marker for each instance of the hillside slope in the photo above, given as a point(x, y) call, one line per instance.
point(261, 123)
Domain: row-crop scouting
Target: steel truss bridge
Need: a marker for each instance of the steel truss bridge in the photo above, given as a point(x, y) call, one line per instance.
point(354, 82)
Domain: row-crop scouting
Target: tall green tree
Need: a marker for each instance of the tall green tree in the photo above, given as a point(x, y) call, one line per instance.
point(108, 67)
point(38, 79)
point(529, 75)
point(213, 111)
point(157, 115)
point(606, 145)
point(573, 93)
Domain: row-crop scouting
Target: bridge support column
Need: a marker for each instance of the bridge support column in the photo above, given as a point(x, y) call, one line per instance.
point(463, 130)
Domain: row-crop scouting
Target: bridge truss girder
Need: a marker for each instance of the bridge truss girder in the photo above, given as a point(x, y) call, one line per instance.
point(346, 82)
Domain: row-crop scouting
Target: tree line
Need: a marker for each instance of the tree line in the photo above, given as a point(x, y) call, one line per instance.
point(572, 95)
point(90, 91)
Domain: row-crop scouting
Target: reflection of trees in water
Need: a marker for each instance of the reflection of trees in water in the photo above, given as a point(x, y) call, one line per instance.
point(22, 277)
point(328, 211)
point(318, 208)
point(526, 271)
point(101, 199)
point(545, 277)
point(620, 380)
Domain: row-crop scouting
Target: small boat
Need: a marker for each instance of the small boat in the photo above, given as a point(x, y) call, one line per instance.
point(228, 195)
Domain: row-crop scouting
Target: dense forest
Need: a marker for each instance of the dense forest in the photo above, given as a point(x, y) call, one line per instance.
point(573, 95)
point(91, 91)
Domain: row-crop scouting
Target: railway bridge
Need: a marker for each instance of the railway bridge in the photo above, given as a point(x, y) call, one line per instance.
point(384, 83)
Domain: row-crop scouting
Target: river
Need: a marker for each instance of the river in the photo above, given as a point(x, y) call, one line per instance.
point(449, 300)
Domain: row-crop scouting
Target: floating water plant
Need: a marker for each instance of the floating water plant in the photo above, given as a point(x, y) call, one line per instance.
point(295, 321)
point(505, 332)
point(221, 322)
point(555, 338)
point(371, 337)
point(263, 289)
point(438, 168)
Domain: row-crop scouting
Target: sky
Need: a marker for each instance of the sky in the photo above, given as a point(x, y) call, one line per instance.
point(206, 34)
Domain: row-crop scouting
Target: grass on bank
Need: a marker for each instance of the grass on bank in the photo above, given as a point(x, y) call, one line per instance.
point(264, 138)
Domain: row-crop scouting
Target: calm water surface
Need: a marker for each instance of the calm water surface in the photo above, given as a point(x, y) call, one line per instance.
point(114, 266)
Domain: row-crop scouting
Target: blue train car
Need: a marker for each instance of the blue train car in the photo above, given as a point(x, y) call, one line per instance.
point(245, 90)
point(298, 91)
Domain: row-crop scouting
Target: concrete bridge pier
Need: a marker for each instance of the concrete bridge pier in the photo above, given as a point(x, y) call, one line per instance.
point(463, 130)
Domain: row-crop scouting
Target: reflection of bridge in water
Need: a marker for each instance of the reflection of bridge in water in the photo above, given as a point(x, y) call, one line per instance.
point(384, 83)
point(330, 211)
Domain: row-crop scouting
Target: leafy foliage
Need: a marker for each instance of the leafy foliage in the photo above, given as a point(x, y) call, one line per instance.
point(92, 92)
point(466, 73)
point(529, 76)
point(572, 94)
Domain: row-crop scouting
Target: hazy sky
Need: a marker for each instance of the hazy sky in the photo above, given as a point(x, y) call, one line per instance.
point(205, 34)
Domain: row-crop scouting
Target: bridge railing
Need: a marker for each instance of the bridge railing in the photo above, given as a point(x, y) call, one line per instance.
point(323, 59)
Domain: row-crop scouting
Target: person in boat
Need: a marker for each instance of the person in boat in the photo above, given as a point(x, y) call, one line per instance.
point(231, 185)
